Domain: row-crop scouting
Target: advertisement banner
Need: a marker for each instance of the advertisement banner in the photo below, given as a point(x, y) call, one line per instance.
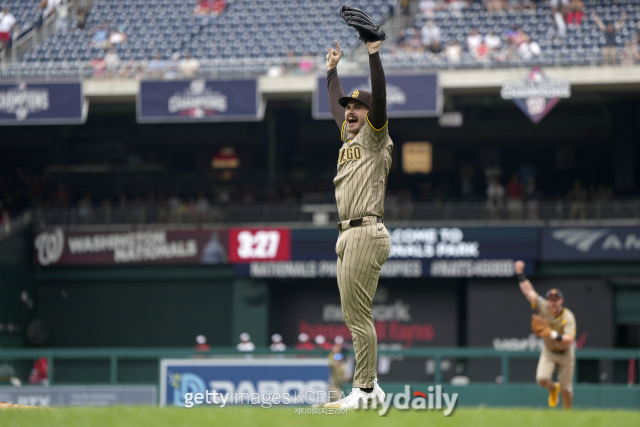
point(199, 101)
point(79, 395)
point(404, 313)
point(222, 382)
point(415, 252)
point(59, 247)
point(259, 244)
point(42, 104)
point(407, 95)
point(590, 243)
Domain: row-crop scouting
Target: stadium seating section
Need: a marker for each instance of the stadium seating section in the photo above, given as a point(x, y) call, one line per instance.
point(268, 29)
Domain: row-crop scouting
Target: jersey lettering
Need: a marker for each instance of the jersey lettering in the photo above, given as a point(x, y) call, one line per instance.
point(349, 154)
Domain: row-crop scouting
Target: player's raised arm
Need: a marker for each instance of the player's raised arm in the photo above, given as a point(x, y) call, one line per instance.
point(333, 84)
point(378, 108)
point(525, 285)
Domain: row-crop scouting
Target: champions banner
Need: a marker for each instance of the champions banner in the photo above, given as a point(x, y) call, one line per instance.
point(199, 101)
point(59, 247)
point(42, 104)
point(415, 252)
point(407, 96)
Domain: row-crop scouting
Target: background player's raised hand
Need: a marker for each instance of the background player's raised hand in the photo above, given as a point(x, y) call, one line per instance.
point(373, 46)
point(519, 267)
point(333, 56)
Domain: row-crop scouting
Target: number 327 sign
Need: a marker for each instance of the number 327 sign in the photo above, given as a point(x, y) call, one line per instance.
point(258, 244)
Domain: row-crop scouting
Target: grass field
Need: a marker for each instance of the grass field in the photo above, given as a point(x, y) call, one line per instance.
point(285, 417)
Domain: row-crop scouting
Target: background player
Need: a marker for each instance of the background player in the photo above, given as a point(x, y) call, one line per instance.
point(558, 335)
point(363, 244)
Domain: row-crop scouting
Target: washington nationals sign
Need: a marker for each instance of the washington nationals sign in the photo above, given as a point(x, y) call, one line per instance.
point(407, 95)
point(199, 101)
point(536, 94)
point(42, 104)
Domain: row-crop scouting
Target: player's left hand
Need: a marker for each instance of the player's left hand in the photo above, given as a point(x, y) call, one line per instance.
point(373, 46)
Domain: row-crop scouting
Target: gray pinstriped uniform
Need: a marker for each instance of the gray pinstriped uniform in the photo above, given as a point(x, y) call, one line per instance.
point(363, 168)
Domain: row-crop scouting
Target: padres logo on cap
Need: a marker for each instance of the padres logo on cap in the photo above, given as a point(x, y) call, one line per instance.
point(355, 94)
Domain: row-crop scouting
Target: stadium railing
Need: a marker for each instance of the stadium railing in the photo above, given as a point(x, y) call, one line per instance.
point(276, 67)
point(115, 355)
point(533, 213)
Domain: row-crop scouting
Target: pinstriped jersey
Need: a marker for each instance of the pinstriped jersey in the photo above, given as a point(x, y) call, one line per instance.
point(363, 169)
point(565, 323)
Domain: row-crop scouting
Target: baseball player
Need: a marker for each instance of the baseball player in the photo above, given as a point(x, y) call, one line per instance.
point(363, 244)
point(556, 325)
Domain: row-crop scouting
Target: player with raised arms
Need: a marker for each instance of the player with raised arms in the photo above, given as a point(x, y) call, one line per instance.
point(363, 244)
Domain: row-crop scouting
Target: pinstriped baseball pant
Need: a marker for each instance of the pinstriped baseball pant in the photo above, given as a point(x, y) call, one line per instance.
point(361, 252)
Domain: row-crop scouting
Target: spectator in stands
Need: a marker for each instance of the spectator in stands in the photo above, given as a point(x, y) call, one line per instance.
point(306, 64)
point(430, 34)
point(531, 195)
point(405, 13)
point(630, 54)
point(559, 6)
point(201, 344)
point(453, 51)
point(610, 48)
point(427, 8)
point(527, 49)
point(245, 343)
point(414, 43)
point(62, 12)
point(493, 42)
point(474, 39)
point(101, 36)
point(303, 343)
point(578, 196)
point(494, 5)
point(112, 62)
point(575, 13)
point(156, 66)
point(7, 24)
point(81, 18)
point(322, 343)
point(99, 65)
point(276, 343)
point(189, 66)
point(495, 194)
point(5, 220)
point(456, 7)
point(39, 374)
point(203, 7)
point(218, 7)
point(515, 191)
point(117, 36)
point(481, 52)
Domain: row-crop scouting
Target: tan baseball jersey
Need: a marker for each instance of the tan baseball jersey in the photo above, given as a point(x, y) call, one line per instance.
point(363, 169)
point(565, 323)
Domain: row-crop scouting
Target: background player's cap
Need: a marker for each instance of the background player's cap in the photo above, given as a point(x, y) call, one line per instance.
point(201, 339)
point(303, 337)
point(245, 336)
point(360, 95)
point(554, 293)
point(337, 356)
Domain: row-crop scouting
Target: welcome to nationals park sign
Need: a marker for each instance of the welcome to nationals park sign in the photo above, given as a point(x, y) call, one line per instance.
point(296, 253)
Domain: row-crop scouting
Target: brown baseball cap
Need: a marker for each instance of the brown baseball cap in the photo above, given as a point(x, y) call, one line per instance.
point(359, 95)
point(554, 293)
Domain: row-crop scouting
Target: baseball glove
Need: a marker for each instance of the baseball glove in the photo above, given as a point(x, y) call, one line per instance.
point(368, 30)
point(540, 326)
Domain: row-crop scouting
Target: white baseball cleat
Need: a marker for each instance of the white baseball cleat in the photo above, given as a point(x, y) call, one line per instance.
point(359, 399)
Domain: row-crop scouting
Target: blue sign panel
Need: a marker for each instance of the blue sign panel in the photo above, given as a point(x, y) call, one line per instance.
point(591, 243)
point(199, 101)
point(42, 104)
point(407, 96)
point(221, 382)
